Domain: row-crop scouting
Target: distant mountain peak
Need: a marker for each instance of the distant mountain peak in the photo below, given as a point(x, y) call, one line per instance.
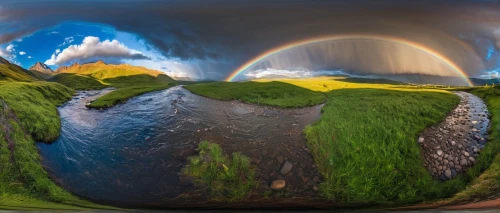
point(41, 67)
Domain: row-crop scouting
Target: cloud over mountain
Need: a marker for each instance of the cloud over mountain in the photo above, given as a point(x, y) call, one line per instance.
point(92, 48)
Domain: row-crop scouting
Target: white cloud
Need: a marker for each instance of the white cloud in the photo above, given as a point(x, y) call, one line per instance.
point(4, 53)
point(10, 48)
point(54, 32)
point(94, 49)
point(496, 34)
point(67, 40)
point(30, 57)
point(294, 73)
point(22, 53)
point(58, 51)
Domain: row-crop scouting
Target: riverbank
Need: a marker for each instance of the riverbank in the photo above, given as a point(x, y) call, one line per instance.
point(24, 184)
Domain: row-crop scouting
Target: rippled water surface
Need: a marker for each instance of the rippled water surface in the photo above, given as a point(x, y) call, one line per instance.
point(133, 152)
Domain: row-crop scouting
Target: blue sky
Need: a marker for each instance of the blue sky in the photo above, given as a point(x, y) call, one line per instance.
point(41, 45)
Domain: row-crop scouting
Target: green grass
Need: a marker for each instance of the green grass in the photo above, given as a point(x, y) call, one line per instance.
point(135, 80)
point(77, 82)
point(365, 145)
point(35, 105)
point(12, 72)
point(276, 94)
point(224, 178)
point(122, 95)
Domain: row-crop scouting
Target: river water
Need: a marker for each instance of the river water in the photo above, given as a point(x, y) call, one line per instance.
point(131, 154)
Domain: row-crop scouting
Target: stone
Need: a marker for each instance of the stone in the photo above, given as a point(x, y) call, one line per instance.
point(460, 146)
point(450, 158)
point(315, 188)
point(471, 159)
point(453, 172)
point(466, 154)
point(421, 140)
point(287, 167)
point(474, 122)
point(447, 173)
point(281, 159)
point(439, 152)
point(453, 143)
point(451, 164)
point(278, 184)
point(305, 179)
point(315, 178)
point(463, 162)
point(477, 137)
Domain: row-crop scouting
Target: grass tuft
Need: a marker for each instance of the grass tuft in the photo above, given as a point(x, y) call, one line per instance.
point(224, 178)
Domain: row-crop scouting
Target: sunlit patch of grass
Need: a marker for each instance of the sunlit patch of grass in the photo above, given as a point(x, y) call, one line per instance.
point(365, 145)
point(78, 82)
point(35, 105)
point(122, 95)
point(224, 178)
point(276, 94)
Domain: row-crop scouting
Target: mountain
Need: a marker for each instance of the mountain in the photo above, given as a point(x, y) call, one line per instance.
point(483, 82)
point(41, 67)
point(13, 72)
point(101, 70)
point(41, 70)
point(121, 75)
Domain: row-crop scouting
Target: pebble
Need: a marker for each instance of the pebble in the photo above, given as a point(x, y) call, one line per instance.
point(447, 173)
point(287, 167)
point(439, 152)
point(281, 159)
point(463, 162)
point(278, 184)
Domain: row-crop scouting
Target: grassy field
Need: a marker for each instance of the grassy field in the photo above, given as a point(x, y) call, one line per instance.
point(35, 105)
point(31, 111)
point(276, 94)
point(12, 72)
point(78, 82)
point(224, 178)
point(365, 145)
point(122, 95)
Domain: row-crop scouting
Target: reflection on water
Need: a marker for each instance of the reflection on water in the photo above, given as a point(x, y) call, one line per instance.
point(133, 152)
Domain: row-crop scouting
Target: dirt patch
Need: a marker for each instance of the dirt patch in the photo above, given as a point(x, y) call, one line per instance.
point(452, 146)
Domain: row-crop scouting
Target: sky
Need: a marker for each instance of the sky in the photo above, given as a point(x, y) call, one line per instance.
point(212, 39)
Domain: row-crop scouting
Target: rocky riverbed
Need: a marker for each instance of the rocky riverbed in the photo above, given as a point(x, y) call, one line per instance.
point(452, 146)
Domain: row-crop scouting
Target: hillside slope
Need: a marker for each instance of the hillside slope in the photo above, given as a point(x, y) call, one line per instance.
point(100, 70)
point(13, 72)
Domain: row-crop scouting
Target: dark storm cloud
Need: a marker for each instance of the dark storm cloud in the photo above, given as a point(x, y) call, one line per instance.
point(235, 31)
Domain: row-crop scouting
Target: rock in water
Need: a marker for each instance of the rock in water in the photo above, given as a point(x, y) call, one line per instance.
point(278, 184)
point(287, 167)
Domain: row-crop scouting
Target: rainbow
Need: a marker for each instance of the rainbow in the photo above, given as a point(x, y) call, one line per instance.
point(308, 41)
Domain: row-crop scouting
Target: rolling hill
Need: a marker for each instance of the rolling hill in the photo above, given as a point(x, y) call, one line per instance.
point(13, 72)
